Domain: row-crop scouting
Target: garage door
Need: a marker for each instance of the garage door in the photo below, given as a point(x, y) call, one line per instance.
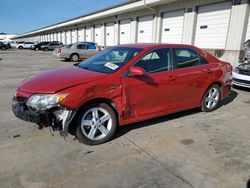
point(212, 25)
point(88, 34)
point(145, 29)
point(98, 34)
point(63, 37)
point(59, 36)
point(81, 34)
point(55, 37)
point(110, 34)
point(125, 30)
point(68, 37)
point(74, 36)
point(172, 27)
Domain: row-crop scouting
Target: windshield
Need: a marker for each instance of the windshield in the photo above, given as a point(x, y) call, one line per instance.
point(110, 60)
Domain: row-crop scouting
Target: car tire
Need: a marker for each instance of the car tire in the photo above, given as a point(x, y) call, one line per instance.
point(211, 99)
point(3, 48)
point(20, 47)
point(36, 49)
point(74, 57)
point(96, 124)
point(46, 49)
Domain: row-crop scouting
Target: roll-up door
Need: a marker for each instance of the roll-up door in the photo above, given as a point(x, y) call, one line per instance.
point(172, 27)
point(81, 34)
point(63, 37)
point(88, 34)
point(212, 25)
point(74, 35)
point(145, 29)
point(110, 34)
point(98, 34)
point(68, 37)
point(125, 30)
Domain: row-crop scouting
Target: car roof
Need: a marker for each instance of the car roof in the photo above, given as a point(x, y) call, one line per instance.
point(155, 45)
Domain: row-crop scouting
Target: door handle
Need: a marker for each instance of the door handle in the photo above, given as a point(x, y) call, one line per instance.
point(171, 78)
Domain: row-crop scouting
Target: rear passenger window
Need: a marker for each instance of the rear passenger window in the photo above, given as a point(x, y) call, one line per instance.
point(156, 61)
point(185, 58)
point(81, 46)
point(91, 47)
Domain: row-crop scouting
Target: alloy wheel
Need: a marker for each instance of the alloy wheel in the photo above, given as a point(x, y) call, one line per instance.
point(96, 123)
point(74, 57)
point(212, 98)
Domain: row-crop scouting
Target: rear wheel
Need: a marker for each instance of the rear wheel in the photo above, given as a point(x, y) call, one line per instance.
point(46, 49)
point(96, 124)
point(3, 48)
point(211, 99)
point(20, 47)
point(74, 57)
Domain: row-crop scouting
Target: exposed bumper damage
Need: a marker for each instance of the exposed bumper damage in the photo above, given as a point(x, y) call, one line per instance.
point(57, 118)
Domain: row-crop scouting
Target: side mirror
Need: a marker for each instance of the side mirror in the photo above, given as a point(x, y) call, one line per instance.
point(137, 71)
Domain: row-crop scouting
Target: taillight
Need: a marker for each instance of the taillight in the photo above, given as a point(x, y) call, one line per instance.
point(59, 50)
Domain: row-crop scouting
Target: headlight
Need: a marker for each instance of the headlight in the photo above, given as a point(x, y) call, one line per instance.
point(45, 101)
point(236, 70)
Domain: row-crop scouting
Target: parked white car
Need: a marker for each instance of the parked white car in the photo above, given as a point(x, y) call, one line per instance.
point(25, 45)
point(241, 75)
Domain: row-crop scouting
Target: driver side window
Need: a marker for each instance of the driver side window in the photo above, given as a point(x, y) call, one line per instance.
point(156, 61)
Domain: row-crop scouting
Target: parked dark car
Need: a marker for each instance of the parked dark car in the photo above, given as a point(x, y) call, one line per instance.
point(4, 46)
point(38, 46)
point(122, 85)
point(52, 46)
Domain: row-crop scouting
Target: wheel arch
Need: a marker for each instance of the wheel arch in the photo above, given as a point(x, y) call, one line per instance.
point(74, 53)
point(204, 92)
point(72, 125)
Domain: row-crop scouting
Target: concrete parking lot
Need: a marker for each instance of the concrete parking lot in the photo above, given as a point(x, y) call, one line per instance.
point(188, 149)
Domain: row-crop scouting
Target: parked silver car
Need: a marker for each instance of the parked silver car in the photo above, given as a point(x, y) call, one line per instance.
point(52, 46)
point(76, 51)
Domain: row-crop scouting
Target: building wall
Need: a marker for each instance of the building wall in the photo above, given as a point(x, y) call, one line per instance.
point(165, 22)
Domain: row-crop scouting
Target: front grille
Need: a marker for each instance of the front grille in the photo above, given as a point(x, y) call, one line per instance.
point(241, 81)
point(244, 72)
point(21, 99)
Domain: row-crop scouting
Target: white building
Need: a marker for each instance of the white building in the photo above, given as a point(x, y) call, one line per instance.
point(219, 26)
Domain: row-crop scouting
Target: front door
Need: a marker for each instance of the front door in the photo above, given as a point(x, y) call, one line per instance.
point(150, 93)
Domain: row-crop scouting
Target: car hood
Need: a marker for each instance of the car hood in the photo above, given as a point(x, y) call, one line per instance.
point(58, 79)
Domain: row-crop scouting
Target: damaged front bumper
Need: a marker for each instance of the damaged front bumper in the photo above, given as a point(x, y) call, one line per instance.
point(57, 118)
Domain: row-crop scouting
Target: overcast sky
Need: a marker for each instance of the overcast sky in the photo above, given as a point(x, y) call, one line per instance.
point(20, 16)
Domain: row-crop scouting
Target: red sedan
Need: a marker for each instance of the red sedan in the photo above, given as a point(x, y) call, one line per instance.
point(122, 85)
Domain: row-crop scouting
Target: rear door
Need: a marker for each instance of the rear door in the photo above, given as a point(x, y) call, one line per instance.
point(152, 92)
point(86, 50)
point(191, 75)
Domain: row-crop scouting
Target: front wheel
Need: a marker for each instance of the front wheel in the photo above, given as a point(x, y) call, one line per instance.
point(96, 124)
point(46, 49)
point(211, 99)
